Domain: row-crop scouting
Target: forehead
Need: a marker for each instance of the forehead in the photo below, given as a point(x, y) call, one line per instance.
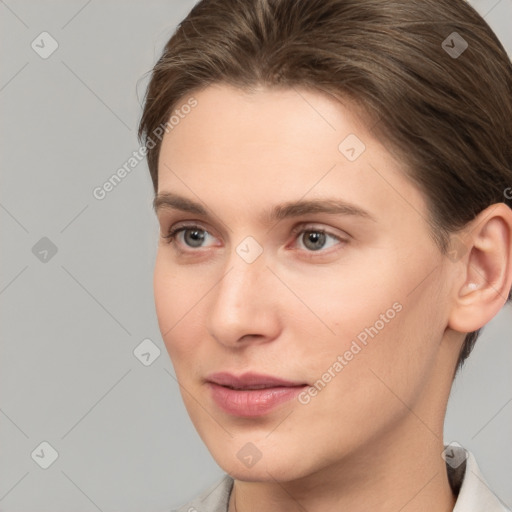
point(228, 119)
point(271, 145)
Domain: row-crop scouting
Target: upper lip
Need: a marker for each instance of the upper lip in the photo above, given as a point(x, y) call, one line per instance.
point(250, 380)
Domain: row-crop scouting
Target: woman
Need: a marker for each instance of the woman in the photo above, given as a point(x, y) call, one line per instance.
point(332, 183)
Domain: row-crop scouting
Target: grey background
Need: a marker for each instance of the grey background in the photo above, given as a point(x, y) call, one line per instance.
point(70, 324)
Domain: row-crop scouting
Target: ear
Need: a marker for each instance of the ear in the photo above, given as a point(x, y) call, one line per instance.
point(483, 251)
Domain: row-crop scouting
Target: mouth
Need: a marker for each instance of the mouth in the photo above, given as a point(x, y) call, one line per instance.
point(250, 380)
point(251, 394)
point(255, 386)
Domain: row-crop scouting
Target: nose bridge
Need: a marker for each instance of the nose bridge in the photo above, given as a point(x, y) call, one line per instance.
point(242, 299)
point(239, 288)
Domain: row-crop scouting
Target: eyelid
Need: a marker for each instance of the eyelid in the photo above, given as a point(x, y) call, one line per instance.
point(319, 255)
point(312, 226)
point(296, 230)
point(178, 228)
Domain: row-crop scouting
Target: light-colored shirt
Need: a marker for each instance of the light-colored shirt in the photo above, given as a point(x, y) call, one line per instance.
point(466, 480)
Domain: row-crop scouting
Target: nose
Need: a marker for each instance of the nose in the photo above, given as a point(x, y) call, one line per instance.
point(243, 305)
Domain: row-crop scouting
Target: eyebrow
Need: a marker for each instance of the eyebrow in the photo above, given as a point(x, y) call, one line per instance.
point(169, 200)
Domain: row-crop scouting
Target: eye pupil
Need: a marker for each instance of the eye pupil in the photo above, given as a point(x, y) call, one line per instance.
point(197, 237)
point(314, 237)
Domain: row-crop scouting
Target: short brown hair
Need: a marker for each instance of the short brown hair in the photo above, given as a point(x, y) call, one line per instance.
point(446, 115)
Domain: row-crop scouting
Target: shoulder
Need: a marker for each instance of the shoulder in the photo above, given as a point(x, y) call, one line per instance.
point(213, 499)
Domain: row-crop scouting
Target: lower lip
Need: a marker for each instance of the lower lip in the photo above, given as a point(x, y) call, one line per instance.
point(254, 402)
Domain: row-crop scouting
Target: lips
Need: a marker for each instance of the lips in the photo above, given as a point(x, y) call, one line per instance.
point(251, 394)
point(250, 381)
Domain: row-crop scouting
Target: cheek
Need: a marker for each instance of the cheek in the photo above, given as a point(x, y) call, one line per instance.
point(366, 312)
point(174, 300)
point(163, 284)
point(337, 303)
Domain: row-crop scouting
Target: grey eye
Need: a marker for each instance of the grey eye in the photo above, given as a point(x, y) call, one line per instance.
point(196, 237)
point(314, 240)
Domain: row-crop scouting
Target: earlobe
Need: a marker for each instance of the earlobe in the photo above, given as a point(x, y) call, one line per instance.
point(487, 269)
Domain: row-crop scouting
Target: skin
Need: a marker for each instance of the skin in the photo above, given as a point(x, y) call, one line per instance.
point(372, 437)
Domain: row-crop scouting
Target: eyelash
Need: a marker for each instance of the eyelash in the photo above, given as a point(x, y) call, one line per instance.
point(299, 230)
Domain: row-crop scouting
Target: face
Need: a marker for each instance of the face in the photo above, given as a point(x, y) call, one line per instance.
point(300, 264)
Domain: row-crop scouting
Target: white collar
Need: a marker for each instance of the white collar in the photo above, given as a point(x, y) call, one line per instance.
point(474, 493)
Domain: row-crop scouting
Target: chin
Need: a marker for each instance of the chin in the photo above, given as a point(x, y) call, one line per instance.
point(269, 464)
point(262, 472)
